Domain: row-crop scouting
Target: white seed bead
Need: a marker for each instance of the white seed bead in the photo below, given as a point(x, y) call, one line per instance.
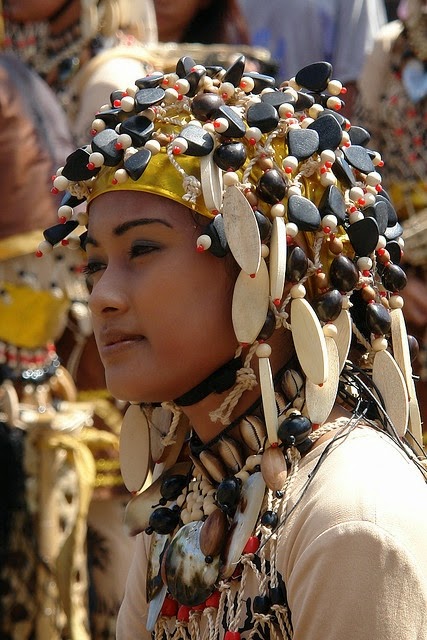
point(125, 140)
point(208, 509)
point(170, 80)
point(328, 179)
point(82, 218)
point(98, 125)
point(209, 127)
point(182, 86)
point(333, 103)
point(127, 104)
point(230, 178)
point(314, 111)
point(221, 125)
point(265, 251)
point(226, 90)
point(364, 263)
point(379, 344)
point(356, 193)
point(247, 84)
point(45, 247)
point(369, 199)
point(263, 350)
point(153, 146)
point(381, 243)
point(61, 183)
point(65, 212)
point(180, 143)
point(285, 109)
point(73, 242)
point(305, 122)
point(345, 138)
point(401, 242)
point(330, 330)
point(327, 156)
point(253, 132)
point(346, 304)
point(298, 291)
point(278, 210)
point(132, 90)
point(97, 159)
point(121, 175)
point(294, 84)
point(294, 190)
point(291, 230)
point(330, 221)
point(376, 160)
point(105, 107)
point(293, 124)
point(334, 87)
point(204, 241)
point(356, 216)
point(149, 113)
point(373, 178)
point(253, 100)
point(292, 412)
point(291, 162)
point(171, 96)
point(396, 302)
point(185, 516)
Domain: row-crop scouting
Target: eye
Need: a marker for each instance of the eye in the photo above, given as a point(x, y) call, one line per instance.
point(90, 270)
point(141, 249)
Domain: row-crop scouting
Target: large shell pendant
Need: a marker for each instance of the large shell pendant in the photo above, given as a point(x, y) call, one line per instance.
point(134, 448)
point(190, 579)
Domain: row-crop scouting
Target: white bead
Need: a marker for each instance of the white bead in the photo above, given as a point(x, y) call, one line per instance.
point(129, 152)
point(170, 80)
point(291, 162)
point(278, 210)
point(381, 243)
point(327, 156)
point(334, 87)
point(333, 103)
point(65, 212)
point(121, 175)
point(182, 86)
point(298, 291)
point(265, 251)
point(346, 304)
point(364, 263)
point(82, 218)
point(373, 178)
point(45, 247)
point(253, 132)
point(285, 109)
point(61, 183)
point(73, 242)
point(209, 127)
point(153, 146)
point(291, 229)
point(242, 475)
point(293, 123)
point(149, 113)
point(253, 100)
point(180, 143)
point(263, 350)
point(105, 107)
point(305, 122)
point(125, 140)
point(226, 89)
point(294, 190)
point(247, 84)
point(356, 216)
point(132, 90)
point(221, 125)
point(328, 179)
point(369, 199)
point(314, 111)
point(376, 160)
point(97, 159)
point(356, 193)
point(230, 178)
point(330, 330)
point(396, 302)
point(345, 138)
point(401, 242)
point(330, 221)
point(294, 84)
point(379, 344)
point(196, 123)
point(204, 241)
point(171, 96)
point(127, 104)
point(98, 125)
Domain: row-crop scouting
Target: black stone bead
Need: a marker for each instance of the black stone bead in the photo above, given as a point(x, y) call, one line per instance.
point(261, 81)
point(116, 95)
point(200, 142)
point(105, 142)
point(395, 251)
point(343, 274)
point(363, 236)
point(139, 128)
point(333, 203)
point(184, 66)
point(194, 78)
point(268, 327)
point(172, 486)
point(328, 305)
point(378, 318)
point(304, 101)
point(271, 187)
point(236, 126)
point(302, 143)
point(394, 232)
point(379, 212)
point(149, 97)
point(344, 173)
point(414, 347)
point(215, 230)
point(393, 278)
point(152, 80)
point(59, 231)
point(329, 130)
point(294, 430)
point(208, 559)
point(358, 158)
point(261, 604)
point(136, 163)
point(111, 117)
point(262, 115)
point(205, 105)
point(277, 98)
point(264, 225)
point(75, 168)
point(228, 494)
point(230, 155)
point(359, 136)
point(338, 117)
point(296, 264)
point(391, 211)
point(277, 596)
point(303, 213)
point(270, 519)
point(70, 200)
point(305, 446)
point(213, 70)
point(235, 71)
point(314, 76)
point(163, 520)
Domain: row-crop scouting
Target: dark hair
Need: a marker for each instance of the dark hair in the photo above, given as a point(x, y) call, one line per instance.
point(220, 22)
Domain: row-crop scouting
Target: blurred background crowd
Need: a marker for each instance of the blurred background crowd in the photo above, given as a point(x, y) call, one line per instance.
point(63, 553)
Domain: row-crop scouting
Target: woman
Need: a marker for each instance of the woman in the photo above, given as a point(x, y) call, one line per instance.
point(282, 466)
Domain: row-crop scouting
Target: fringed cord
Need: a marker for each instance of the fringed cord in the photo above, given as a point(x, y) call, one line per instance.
point(170, 436)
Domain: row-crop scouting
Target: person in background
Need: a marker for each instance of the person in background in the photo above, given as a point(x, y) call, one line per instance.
point(298, 32)
point(393, 108)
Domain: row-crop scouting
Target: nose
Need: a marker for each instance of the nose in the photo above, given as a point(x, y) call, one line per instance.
point(108, 294)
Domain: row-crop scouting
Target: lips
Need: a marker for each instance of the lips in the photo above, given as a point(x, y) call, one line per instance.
point(110, 340)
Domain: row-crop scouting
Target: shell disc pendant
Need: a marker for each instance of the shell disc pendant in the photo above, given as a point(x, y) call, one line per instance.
point(267, 392)
point(134, 452)
point(278, 251)
point(390, 382)
point(343, 337)
point(320, 399)
point(241, 230)
point(250, 304)
point(211, 181)
point(309, 341)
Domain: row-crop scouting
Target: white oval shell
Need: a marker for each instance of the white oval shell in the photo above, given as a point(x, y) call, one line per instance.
point(343, 337)
point(268, 399)
point(277, 265)
point(309, 341)
point(241, 230)
point(387, 376)
point(134, 448)
point(211, 181)
point(250, 304)
point(320, 400)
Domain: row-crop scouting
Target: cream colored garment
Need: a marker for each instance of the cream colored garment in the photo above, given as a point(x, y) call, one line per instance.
point(353, 553)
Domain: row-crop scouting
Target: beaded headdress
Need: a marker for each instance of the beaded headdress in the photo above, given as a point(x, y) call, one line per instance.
point(292, 190)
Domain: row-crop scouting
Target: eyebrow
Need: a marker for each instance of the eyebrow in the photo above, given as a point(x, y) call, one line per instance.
point(121, 229)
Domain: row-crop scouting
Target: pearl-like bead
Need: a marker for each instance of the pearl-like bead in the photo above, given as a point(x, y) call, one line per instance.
point(356, 216)
point(182, 86)
point(334, 87)
point(171, 96)
point(381, 243)
point(45, 247)
point(226, 90)
point(364, 263)
point(253, 133)
point(97, 159)
point(127, 104)
point(65, 212)
point(247, 84)
point(298, 291)
point(263, 350)
point(330, 221)
point(125, 140)
point(304, 123)
point(330, 330)
point(396, 302)
point(278, 210)
point(379, 344)
point(294, 190)
point(98, 125)
point(373, 178)
point(121, 175)
point(204, 242)
point(230, 178)
point(334, 103)
point(285, 109)
point(290, 162)
point(327, 179)
point(180, 144)
point(61, 183)
point(314, 111)
point(265, 251)
point(327, 156)
point(291, 229)
point(221, 125)
point(153, 146)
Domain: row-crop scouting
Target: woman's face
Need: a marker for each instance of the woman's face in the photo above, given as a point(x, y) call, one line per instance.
point(161, 310)
point(174, 16)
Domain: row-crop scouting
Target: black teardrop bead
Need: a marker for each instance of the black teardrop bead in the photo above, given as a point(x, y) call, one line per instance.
point(343, 274)
point(391, 211)
point(296, 264)
point(378, 319)
point(228, 495)
point(194, 78)
point(70, 200)
point(172, 486)
point(59, 231)
point(393, 278)
point(152, 80)
point(205, 105)
point(344, 173)
point(145, 98)
point(305, 446)
point(230, 156)
point(359, 136)
point(379, 212)
point(304, 101)
point(268, 327)
point(277, 98)
point(235, 71)
point(137, 163)
point(302, 143)
point(414, 347)
point(264, 225)
point(393, 232)
point(215, 230)
point(200, 142)
point(270, 519)
point(163, 520)
point(76, 169)
point(329, 130)
point(314, 76)
point(184, 66)
point(303, 213)
point(261, 604)
point(111, 117)
point(328, 305)
point(261, 81)
point(236, 126)
point(294, 430)
point(262, 115)
point(139, 128)
point(359, 158)
point(271, 187)
point(363, 236)
point(105, 142)
point(333, 203)
point(395, 251)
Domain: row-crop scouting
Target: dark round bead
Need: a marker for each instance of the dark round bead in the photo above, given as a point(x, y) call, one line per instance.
point(328, 305)
point(277, 596)
point(296, 265)
point(230, 155)
point(208, 559)
point(294, 430)
point(228, 494)
point(305, 446)
point(163, 520)
point(172, 486)
point(393, 278)
point(270, 519)
point(378, 318)
point(268, 327)
point(261, 604)
point(271, 187)
point(343, 274)
point(264, 225)
point(414, 347)
point(205, 105)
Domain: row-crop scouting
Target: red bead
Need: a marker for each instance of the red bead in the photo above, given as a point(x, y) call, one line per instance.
point(176, 151)
point(39, 253)
point(366, 273)
point(183, 614)
point(118, 146)
point(117, 103)
point(252, 545)
point(199, 607)
point(170, 607)
point(93, 132)
point(114, 181)
point(288, 170)
point(276, 302)
point(343, 90)
point(200, 248)
point(232, 635)
point(65, 242)
point(252, 275)
point(90, 166)
point(252, 141)
point(62, 219)
point(326, 230)
point(54, 190)
point(381, 252)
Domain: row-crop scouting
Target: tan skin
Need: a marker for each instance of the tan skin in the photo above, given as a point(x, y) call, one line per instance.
point(174, 17)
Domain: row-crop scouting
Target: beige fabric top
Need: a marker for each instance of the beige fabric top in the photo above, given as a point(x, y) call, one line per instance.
point(353, 553)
